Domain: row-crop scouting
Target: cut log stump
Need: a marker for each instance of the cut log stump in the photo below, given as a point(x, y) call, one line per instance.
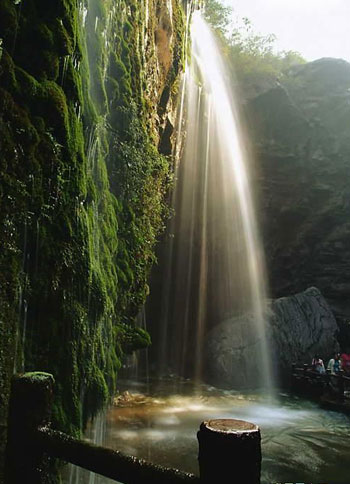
point(229, 452)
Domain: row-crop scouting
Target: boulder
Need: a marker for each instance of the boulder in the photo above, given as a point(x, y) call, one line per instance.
point(233, 353)
point(301, 326)
point(297, 327)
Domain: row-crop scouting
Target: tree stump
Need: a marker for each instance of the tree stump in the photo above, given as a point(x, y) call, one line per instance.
point(229, 452)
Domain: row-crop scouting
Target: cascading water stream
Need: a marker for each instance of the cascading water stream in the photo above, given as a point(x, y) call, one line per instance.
point(136, 365)
point(217, 267)
point(167, 272)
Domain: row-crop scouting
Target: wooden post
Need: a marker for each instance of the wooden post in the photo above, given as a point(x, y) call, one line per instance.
point(229, 452)
point(30, 407)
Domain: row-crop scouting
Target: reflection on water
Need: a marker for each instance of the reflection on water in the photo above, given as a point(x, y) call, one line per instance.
point(300, 441)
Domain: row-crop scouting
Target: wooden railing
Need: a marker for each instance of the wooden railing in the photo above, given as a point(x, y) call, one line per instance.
point(329, 388)
point(225, 451)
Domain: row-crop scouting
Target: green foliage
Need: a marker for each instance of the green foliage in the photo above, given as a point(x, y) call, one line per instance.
point(96, 392)
point(140, 178)
point(252, 57)
point(218, 15)
point(131, 338)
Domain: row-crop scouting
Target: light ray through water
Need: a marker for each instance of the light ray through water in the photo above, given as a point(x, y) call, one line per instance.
point(217, 263)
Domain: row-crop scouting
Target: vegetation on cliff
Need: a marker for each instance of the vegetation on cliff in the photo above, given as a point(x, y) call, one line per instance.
point(253, 60)
point(82, 188)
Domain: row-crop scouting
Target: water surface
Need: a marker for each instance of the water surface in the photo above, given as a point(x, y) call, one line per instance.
point(300, 441)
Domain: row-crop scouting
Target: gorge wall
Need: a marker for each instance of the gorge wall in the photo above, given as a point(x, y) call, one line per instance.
point(300, 131)
point(87, 106)
point(299, 326)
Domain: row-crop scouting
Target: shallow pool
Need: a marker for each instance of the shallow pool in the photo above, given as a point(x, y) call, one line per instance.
point(158, 421)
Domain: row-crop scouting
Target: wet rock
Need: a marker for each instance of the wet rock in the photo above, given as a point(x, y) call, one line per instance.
point(232, 351)
point(302, 144)
point(300, 326)
point(126, 399)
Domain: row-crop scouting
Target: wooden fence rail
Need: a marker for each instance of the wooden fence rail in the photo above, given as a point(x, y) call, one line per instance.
point(331, 390)
point(229, 449)
point(107, 462)
point(307, 372)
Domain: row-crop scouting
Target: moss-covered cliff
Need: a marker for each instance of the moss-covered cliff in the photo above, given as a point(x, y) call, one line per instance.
point(87, 90)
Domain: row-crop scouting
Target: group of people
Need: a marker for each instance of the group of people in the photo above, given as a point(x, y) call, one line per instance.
point(335, 364)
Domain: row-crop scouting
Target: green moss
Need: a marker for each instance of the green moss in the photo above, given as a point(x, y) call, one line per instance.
point(37, 376)
point(8, 77)
point(96, 392)
point(53, 108)
point(43, 36)
point(117, 69)
point(64, 44)
point(112, 89)
point(82, 196)
point(130, 338)
point(8, 22)
point(127, 29)
point(28, 87)
point(125, 55)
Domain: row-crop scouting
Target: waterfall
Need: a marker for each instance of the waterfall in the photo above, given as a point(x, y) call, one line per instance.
point(94, 433)
point(21, 329)
point(164, 315)
point(215, 266)
point(136, 365)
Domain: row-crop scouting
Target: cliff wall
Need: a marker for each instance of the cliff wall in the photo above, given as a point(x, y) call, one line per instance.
point(87, 105)
point(301, 136)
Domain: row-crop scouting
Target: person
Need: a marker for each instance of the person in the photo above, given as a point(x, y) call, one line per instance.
point(317, 364)
point(337, 363)
point(334, 364)
point(345, 363)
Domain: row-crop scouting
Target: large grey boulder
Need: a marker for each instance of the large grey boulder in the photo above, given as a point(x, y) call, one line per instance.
point(301, 326)
point(298, 326)
point(233, 353)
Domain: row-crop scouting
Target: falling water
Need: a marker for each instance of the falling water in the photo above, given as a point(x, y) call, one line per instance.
point(136, 365)
point(65, 60)
point(20, 338)
point(216, 267)
point(169, 249)
point(95, 433)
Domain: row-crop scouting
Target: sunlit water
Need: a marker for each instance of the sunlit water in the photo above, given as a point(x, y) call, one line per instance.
point(300, 441)
point(214, 271)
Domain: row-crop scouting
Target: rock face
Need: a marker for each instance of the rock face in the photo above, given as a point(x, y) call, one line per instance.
point(302, 136)
point(87, 101)
point(298, 327)
point(231, 352)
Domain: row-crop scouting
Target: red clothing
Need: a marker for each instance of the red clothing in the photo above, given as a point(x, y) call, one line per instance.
point(345, 362)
